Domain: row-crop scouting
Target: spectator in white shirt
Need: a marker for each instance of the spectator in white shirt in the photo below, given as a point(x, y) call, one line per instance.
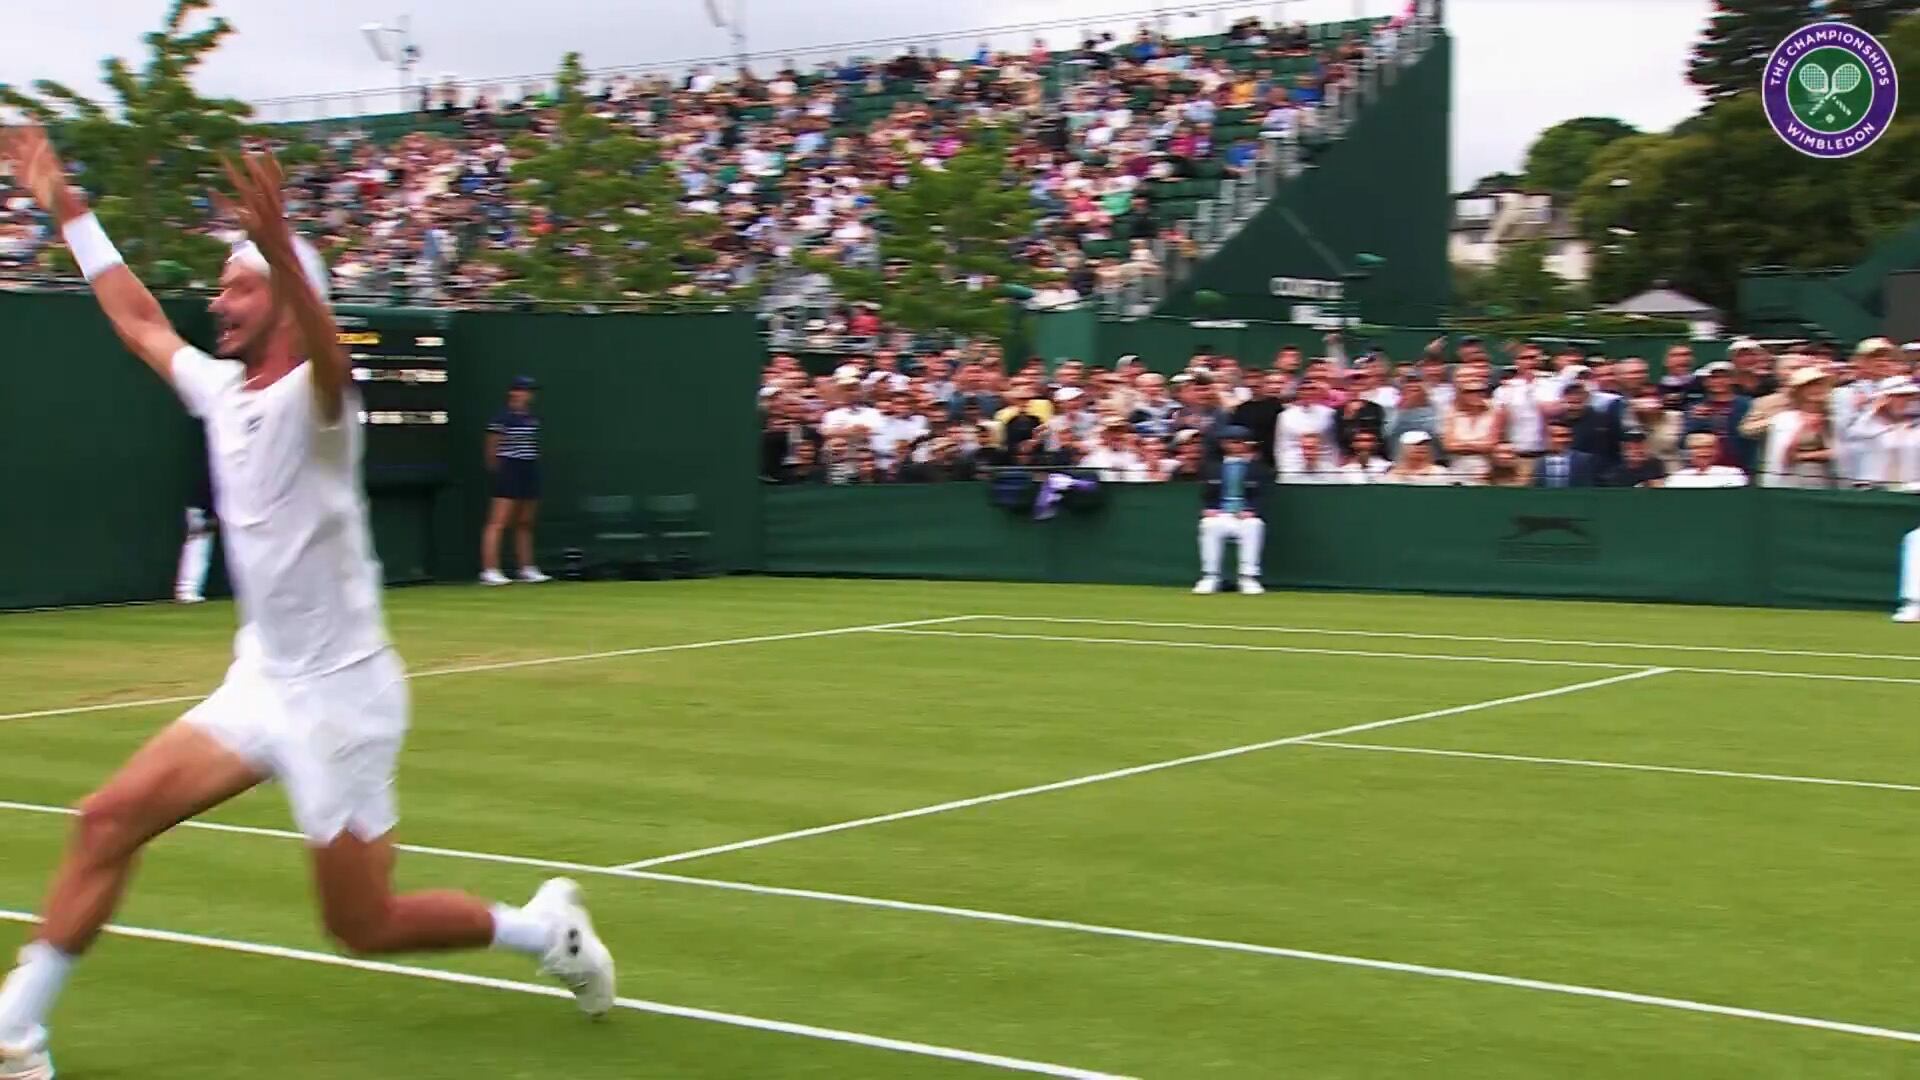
point(1527, 400)
point(1800, 440)
point(852, 412)
point(1888, 437)
point(1415, 464)
point(1701, 472)
point(1316, 465)
point(1365, 466)
point(1308, 415)
point(1115, 458)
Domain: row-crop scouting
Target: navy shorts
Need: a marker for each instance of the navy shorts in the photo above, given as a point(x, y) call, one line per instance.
point(516, 479)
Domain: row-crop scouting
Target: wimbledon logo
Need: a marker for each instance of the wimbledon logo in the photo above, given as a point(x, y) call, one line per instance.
point(1830, 90)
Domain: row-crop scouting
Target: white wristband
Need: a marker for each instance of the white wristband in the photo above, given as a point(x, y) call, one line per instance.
point(90, 246)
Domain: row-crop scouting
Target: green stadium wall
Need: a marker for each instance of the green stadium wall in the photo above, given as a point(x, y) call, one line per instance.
point(1382, 189)
point(105, 457)
point(1745, 547)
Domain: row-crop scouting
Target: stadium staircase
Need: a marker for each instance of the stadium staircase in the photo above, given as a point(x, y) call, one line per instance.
point(1836, 304)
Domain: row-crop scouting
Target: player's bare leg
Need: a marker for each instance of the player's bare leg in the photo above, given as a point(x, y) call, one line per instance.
point(180, 773)
point(354, 879)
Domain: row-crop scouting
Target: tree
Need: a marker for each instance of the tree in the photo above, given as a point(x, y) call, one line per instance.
point(149, 162)
point(1730, 57)
point(1499, 181)
point(1722, 194)
point(1561, 158)
point(946, 244)
point(1876, 17)
point(603, 217)
point(1521, 283)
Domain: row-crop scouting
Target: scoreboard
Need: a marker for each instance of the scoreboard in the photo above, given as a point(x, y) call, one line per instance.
point(399, 361)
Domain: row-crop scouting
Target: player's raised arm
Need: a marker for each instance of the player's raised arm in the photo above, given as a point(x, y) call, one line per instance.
point(134, 313)
point(297, 273)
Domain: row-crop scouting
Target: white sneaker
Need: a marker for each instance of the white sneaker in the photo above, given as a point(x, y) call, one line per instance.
point(1907, 613)
point(188, 598)
point(532, 575)
point(1206, 586)
point(1251, 587)
point(577, 957)
point(28, 1058)
point(494, 577)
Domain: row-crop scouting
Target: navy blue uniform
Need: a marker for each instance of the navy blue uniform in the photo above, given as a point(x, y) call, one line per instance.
point(516, 458)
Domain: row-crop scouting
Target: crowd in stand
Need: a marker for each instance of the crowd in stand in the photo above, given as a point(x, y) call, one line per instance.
point(1805, 417)
point(792, 162)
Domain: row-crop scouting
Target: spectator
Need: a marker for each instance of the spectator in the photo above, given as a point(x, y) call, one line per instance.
point(1072, 416)
point(1153, 414)
point(1364, 465)
point(1308, 415)
point(1506, 468)
point(1562, 466)
point(1660, 425)
point(1703, 469)
point(803, 467)
point(1115, 458)
point(1637, 468)
point(1189, 457)
point(1471, 431)
point(1888, 434)
point(1260, 413)
point(1416, 412)
point(1317, 465)
point(1679, 388)
point(1752, 369)
point(1714, 413)
point(1800, 440)
point(1415, 465)
point(1595, 432)
point(1359, 412)
point(1200, 412)
point(1525, 402)
point(1230, 501)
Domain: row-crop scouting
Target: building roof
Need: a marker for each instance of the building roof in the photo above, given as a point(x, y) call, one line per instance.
point(1663, 301)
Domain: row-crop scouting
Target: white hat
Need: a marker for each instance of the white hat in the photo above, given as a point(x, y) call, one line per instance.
point(1067, 393)
point(1742, 345)
point(1872, 345)
point(1415, 438)
point(1804, 376)
point(1900, 384)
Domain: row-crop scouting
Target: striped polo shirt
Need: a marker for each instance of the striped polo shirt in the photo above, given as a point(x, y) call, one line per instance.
point(519, 436)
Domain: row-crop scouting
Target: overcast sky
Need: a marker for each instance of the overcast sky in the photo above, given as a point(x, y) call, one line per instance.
point(1520, 65)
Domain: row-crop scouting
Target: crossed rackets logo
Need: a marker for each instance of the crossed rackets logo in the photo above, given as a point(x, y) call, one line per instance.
point(1830, 90)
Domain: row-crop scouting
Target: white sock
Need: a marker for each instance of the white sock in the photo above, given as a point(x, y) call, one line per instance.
point(27, 996)
point(517, 931)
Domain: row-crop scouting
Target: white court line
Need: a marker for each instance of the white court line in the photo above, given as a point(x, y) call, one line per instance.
point(539, 661)
point(1099, 930)
point(1408, 635)
point(1730, 774)
point(1166, 643)
point(783, 1027)
point(1136, 770)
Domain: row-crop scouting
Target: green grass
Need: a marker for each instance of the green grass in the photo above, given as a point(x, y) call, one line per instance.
point(1791, 898)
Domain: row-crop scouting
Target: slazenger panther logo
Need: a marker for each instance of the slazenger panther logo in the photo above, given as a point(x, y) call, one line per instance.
point(1525, 525)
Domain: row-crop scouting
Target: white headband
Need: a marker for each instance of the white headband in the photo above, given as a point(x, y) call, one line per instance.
point(248, 255)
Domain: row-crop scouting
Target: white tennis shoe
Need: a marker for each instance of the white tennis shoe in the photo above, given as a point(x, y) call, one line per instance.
point(577, 957)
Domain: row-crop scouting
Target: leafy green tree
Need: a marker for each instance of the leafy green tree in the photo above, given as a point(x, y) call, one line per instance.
point(1730, 57)
point(946, 244)
point(1560, 159)
point(1520, 282)
point(1876, 17)
point(612, 223)
point(150, 160)
point(1722, 194)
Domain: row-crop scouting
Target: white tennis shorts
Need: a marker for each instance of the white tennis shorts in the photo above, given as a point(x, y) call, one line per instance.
point(332, 741)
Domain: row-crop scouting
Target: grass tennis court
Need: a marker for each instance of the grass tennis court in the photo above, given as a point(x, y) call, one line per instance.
point(1074, 831)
